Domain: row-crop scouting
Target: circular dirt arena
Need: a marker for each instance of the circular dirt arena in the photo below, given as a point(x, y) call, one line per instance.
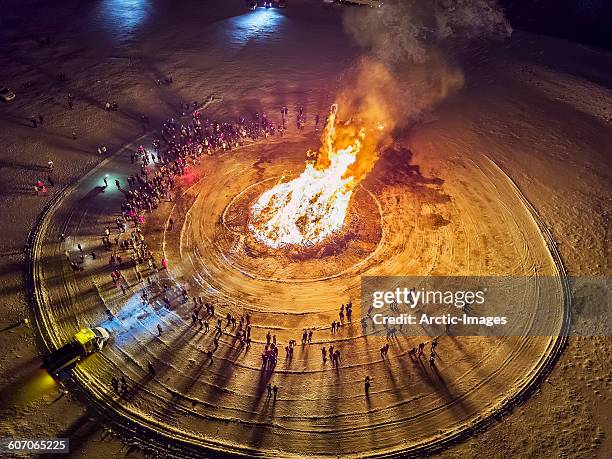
point(465, 219)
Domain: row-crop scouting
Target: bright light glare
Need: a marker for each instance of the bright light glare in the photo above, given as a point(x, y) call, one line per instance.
point(313, 206)
point(259, 24)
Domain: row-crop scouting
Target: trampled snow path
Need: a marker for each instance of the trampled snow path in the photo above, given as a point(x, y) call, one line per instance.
point(475, 223)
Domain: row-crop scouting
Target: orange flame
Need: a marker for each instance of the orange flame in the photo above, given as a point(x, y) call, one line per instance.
point(313, 206)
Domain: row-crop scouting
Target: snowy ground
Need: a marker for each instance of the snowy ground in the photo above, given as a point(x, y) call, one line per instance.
point(539, 108)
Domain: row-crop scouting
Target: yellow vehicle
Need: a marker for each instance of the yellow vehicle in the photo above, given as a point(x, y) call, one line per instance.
point(84, 343)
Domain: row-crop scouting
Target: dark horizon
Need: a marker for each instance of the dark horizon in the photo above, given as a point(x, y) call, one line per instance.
point(588, 22)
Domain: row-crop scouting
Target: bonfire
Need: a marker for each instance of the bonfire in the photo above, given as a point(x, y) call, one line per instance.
point(312, 207)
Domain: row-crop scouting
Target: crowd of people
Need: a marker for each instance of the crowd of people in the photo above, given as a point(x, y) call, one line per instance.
point(182, 144)
point(204, 135)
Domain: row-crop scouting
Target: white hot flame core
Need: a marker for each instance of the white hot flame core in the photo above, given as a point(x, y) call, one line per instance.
point(307, 209)
point(313, 206)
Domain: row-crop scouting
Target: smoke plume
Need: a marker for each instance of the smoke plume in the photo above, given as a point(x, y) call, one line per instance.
point(405, 70)
point(408, 30)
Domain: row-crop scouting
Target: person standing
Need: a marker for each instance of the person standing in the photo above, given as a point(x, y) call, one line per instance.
point(34, 122)
point(124, 386)
point(275, 390)
point(421, 347)
point(366, 385)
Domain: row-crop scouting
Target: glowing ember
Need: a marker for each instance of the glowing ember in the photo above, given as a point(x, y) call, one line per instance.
point(313, 206)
